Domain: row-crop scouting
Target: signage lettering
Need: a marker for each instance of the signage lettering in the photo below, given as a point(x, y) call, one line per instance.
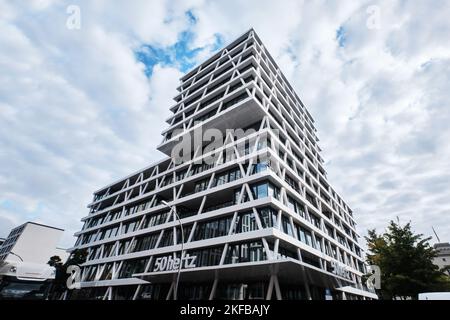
point(170, 263)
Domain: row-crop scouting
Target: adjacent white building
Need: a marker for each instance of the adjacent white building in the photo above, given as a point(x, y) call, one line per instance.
point(442, 259)
point(32, 242)
point(255, 217)
point(24, 272)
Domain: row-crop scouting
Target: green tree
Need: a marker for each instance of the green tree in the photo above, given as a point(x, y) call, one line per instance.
point(406, 262)
point(55, 261)
point(77, 257)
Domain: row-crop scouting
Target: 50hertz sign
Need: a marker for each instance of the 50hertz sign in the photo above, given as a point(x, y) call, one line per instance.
point(171, 263)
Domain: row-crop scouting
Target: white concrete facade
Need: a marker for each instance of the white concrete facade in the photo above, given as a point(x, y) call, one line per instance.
point(32, 242)
point(260, 221)
point(442, 260)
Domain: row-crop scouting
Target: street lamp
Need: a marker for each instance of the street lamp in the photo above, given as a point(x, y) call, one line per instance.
point(182, 246)
point(16, 255)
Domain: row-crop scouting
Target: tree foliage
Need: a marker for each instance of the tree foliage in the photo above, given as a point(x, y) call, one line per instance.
point(406, 262)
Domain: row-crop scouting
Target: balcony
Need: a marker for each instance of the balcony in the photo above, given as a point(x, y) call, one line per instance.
point(239, 115)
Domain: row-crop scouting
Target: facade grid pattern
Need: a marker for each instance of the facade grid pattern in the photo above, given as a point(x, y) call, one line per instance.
point(260, 221)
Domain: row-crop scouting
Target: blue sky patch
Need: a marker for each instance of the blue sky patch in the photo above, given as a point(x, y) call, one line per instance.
point(341, 36)
point(179, 55)
point(191, 17)
point(7, 204)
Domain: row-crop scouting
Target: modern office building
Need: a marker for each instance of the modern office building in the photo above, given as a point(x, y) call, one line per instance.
point(442, 260)
point(32, 242)
point(250, 212)
point(1, 241)
point(24, 272)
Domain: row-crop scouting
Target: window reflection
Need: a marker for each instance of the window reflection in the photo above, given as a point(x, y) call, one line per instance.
point(246, 222)
point(245, 252)
point(131, 267)
point(265, 189)
point(212, 229)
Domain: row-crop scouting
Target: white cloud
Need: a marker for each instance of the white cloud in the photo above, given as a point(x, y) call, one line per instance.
point(77, 110)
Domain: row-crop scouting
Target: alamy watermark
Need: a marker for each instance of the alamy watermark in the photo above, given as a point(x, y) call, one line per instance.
point(207, 146)
point(74, 279)
point(73, 21)
point(374, 280)
point(373, 21)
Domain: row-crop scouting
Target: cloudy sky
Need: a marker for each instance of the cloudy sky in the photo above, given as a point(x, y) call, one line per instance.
point(83, 101)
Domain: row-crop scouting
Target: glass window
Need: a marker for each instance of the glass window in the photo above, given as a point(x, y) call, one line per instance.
point(301, 234)
point(259, 191)
point(262, 142)
point(329, 231)
point(107, 272)
point(287, 227)
point(315, 220)
point(155, 219)
point(186, 233)
point(319, 244)
point(130, 267)
point(268, 217)
point(286, 253)
point(237, 193)
point(274, 191)
point(246, 222)
point(146, 242)
point(167, 238)
point(123, 245)
point(212, 229)
point(201, 185)
point(207, 257)
point(259, 167)
point(308, 238)
point(245, 252)
point(296, 207)
point(94, 252)
point(107, 250)
point(129, 226)
point(333, 250)
point(311, 199)
point(291, 204)
point(90, 273)
point(228, 176)
point(235, 174)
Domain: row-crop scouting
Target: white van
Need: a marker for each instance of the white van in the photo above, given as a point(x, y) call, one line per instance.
point(434, 296)
point(25, 280)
